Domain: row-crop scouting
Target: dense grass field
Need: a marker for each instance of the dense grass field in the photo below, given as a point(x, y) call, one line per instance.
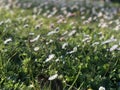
point(49, 47)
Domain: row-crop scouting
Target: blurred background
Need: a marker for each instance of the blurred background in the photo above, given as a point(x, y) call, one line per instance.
point(22, 3)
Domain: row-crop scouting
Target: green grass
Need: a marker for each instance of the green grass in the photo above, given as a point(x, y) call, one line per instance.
point(90, 66)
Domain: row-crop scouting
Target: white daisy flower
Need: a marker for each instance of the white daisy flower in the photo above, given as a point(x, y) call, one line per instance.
point(60, 21)
point(64, 45)
point(83, 17)
point(53, 77)
point(49, 42)
point(50, 57)
point(65, 33)
point(87, 39)
point(57, 60)
point(26, 26)
point(35, 39)
point(38, 26)
point(36, 48)
point(100, 14)
point(72, 33)
point(49, 16)
point(109, 41)
point(73, 51)
point(101, 88)
point(114, 47)
point(53, 32)
point(7, 40)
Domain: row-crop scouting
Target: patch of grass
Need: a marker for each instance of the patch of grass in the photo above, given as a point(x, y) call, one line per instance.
point(81, 47)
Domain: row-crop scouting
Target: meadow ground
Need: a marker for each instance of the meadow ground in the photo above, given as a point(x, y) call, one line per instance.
point(48, 45)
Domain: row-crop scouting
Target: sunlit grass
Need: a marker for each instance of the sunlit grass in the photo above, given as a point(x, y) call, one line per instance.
point(75, 51)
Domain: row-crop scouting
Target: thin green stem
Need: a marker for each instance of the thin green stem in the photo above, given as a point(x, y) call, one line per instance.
point(74, 81)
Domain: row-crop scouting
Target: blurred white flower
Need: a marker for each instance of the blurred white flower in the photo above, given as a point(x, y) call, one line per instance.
point(54, 31)
point(31, 86)
point(118, 49)
point(35, 39)
point(102, 36)
point(7, 40)
point(64, 45)
point(8, 21)
point(49, 16)
point(57, 29)
point(117, 28)
point(74, 7)
point(24, 19)
point(69, 14)
point(36, 48)
point(109, 41)
point(100, 33)
point(51, 33)
point(52, 26)
point(94, 18)
point(49, 42)
point(86, 22)
point(53, 77)
point(83, 17)
point(50, 57)
point(108, 17)
point(82, 12)
point(31, 33)
point(87, 39)
point(26, 26)
point(101, 88)
point(19, 18)
point(54, 12)
point(111, 22)
point(63, 8)
point(100, 14)
point(65, 33)
point(95, 43)
point(65, 12)
point(60, 21)
point(45, 14)
point(73, 51)
point(89, 19)
point(72, 33)
point(57, 60)
point(103, 25)
point(35, 10)
point(114, 47)
point(38, 26)
point(59, 17)
point(5, 50)
point(117, 21)
point(72, 23)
